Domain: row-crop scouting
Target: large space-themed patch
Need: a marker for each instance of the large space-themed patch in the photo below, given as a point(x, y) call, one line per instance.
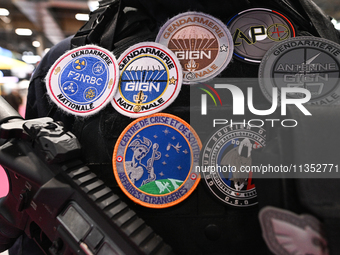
point(154, 160)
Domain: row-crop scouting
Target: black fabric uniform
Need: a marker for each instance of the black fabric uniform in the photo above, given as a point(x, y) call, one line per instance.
point(200, 224)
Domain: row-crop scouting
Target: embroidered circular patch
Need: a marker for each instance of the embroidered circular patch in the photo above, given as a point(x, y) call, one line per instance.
point(83, 80)
point(256, 30)
point(202, 43)
point(150, 80)
point(154, 160)
point(303, 62)
point(224, 161)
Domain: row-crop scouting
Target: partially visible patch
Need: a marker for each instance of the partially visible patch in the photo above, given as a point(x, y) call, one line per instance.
point(150, 80)
point(287, 233)
point(154, 160)
point(256, 30)
point(224, 159)
point(202, 43)
point(303, 62)
point(83, 80)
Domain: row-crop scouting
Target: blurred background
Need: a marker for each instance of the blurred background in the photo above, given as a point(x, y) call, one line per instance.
point(29, 28)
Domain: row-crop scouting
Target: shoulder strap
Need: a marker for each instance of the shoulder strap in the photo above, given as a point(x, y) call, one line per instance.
point(115, 26)
point(321, 22)
point(95, 30)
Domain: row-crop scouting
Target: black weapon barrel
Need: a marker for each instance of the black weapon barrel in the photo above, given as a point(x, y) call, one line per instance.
point(7, 112)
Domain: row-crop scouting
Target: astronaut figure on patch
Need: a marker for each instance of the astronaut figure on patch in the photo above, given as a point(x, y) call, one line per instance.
point(134, 168)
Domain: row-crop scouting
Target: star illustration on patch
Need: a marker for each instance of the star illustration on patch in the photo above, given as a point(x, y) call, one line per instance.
point(223, 48)
point(172, 81)
point(57, 70)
